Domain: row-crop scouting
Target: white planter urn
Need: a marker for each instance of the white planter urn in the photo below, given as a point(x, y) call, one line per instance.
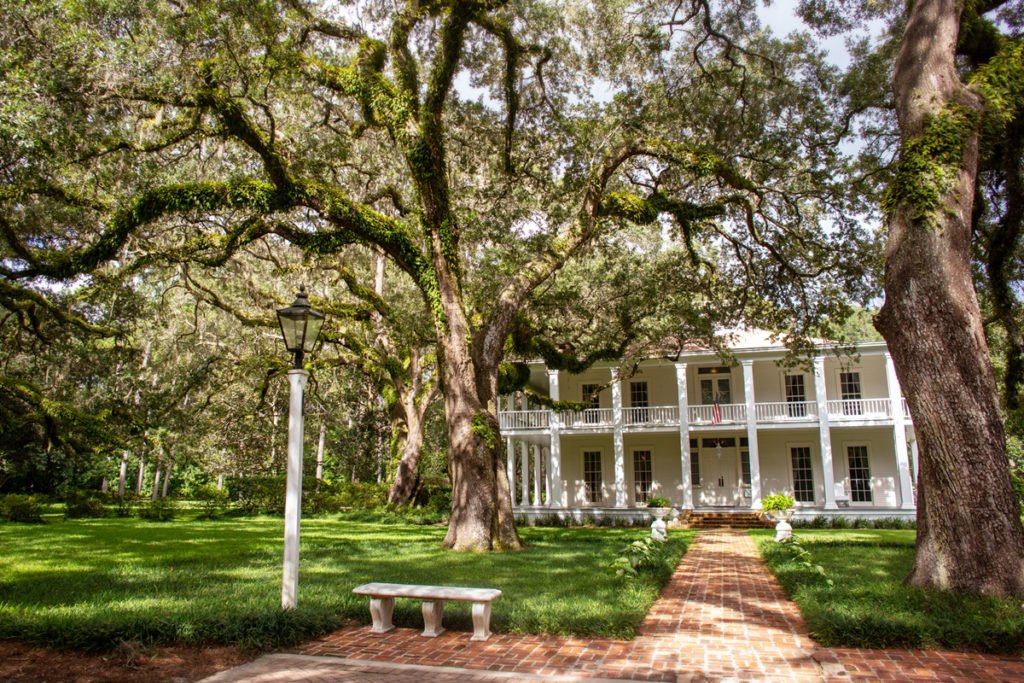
point(783, 529)
point(659, 531)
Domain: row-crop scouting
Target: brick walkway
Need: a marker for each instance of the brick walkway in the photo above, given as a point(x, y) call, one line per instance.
point(722, 617)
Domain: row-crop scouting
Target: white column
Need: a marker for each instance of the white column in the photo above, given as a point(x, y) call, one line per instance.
point(684, 436)
point(619, 450)
point(899, 434)
point(755, 462)
point(510, 467)
point(555, 452)
point(536, 474)
point(293, 493)
point(824, 433)
point(524, 471)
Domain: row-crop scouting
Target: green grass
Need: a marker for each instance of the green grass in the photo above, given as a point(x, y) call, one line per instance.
point(92, 584)
point(868, 605)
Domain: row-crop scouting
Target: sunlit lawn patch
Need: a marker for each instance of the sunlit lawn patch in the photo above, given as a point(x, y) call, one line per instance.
point(868, 605)
point(94, 583)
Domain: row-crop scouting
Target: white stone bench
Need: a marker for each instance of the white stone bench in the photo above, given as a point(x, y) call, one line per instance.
point(382, 605)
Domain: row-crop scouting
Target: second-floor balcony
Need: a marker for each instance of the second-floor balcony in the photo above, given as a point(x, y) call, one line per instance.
point(777, 413)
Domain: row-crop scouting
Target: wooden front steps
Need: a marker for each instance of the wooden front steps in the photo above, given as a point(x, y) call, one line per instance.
point(723, 520)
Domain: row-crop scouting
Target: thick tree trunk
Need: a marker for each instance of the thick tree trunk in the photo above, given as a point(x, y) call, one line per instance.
point(411, 443)
point(481, 516)
point(969, 536)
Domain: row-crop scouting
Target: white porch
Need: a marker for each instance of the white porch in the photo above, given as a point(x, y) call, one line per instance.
point(842, 453)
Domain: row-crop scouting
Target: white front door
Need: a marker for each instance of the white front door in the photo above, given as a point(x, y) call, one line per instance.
point(720, 478)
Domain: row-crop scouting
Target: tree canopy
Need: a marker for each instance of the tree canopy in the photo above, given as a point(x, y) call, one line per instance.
point(494, 152)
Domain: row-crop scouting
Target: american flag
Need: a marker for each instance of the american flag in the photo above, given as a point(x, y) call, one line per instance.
point(716, 412)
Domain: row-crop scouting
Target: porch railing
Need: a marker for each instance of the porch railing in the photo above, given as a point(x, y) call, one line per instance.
point(523, 419)
point(727, 413)
point(860, 409)
point(730, 413)
point(786, 411)
point(589, 418)
point(652, 415)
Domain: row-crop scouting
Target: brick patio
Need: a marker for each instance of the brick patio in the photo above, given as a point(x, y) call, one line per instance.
point(722, 617)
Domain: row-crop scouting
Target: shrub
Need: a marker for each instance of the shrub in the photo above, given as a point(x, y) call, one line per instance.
point(260, 494)
point(438, 499)
point(159, 510)
point(659, 502)
point(123, 507)
point(363, 495)
point(319, 502)
point(551, 520)
point(84, 504)
point(644, 555)
point(894, 523)
point(800, 556)
point(212, 501)
point(840, 522)
point(16, 507)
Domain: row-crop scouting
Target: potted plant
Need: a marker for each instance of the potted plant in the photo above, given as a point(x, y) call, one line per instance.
point(659, 506)
point(780, 508)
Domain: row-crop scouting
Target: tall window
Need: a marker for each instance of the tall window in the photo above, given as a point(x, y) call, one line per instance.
point(593, 401)
point(638, 399)
point(850, 393)
point(803, 478)
point(715, 390)
point(796, 395)
point(642, 475)
point(592, 475)
point(694, 463)
point(860, 474)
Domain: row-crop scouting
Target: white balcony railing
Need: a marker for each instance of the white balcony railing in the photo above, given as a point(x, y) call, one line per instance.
point(588, 419)
point(906, 408)
point(730, 413)
point(523, 419)
point(786, 411)
point(652, 415)
point(860, 409)
point(727, 413)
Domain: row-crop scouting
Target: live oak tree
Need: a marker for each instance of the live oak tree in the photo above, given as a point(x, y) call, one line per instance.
point(969, 535)
point(159, 131)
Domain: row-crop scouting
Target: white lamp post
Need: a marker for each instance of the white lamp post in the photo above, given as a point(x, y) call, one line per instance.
point(300, 326)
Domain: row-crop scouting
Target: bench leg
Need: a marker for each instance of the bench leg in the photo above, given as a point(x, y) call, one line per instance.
point(381, 610)
point(433, 610)
point(481, 621)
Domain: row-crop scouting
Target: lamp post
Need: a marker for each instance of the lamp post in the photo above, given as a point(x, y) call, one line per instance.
point(300, 327)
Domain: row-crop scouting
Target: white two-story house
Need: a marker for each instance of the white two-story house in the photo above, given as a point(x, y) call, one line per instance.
point(836, 435)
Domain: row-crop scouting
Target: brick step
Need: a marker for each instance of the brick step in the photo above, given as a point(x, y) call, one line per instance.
point(725, 520)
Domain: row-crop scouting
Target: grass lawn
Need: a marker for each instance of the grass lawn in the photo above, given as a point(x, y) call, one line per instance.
point(94, 583)
point(868, 605)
